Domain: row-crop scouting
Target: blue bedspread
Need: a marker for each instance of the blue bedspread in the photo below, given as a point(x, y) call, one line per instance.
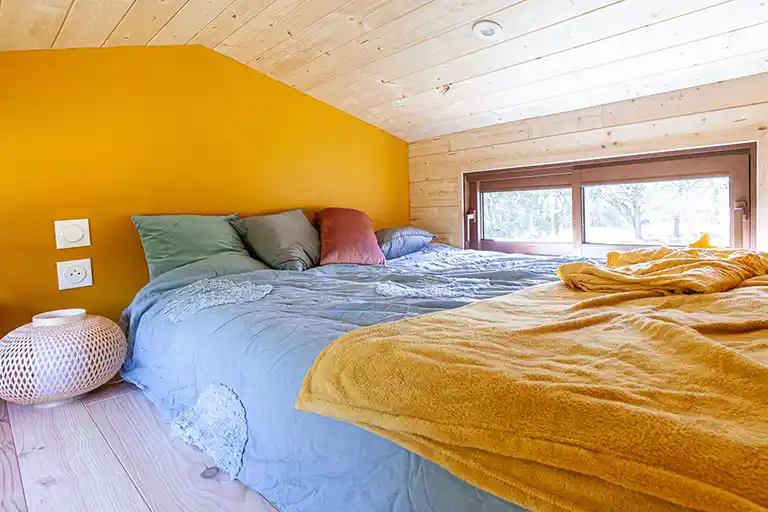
point(261, 350)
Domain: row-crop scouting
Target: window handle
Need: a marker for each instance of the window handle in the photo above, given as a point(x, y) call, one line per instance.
point(470, 217)
point(740, 213)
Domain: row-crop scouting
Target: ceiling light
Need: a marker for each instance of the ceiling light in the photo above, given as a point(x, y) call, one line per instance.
point(487, 30)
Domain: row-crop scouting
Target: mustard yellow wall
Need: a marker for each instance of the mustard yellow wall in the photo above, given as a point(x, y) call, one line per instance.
point(108, 133)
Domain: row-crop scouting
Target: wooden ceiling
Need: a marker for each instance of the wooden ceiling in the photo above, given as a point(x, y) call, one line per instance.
point(413, 67)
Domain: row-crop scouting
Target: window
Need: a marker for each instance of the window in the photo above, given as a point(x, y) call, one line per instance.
point(591, 208)
point(670, 212)
point(528, 215)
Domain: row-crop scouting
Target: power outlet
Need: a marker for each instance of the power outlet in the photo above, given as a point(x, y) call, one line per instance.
point(74, 274)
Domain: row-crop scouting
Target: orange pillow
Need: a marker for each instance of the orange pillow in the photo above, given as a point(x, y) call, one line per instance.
point(346, 236)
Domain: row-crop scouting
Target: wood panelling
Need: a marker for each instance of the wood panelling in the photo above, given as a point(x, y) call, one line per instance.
point(622, 139)
point(555, 49)
point(388, 79)
point(108, 452)
point(428, 21)
point(414, 67)
point(719, 96)
point(90, 22)
point(679, 79)
point(633, 70)
point(229, 21)
point(190, 20)
point(352, 20)
point(434, 193)
point(449, 239)
point(12, 495)
point(31, 24)
point(720, 113)
point(133, 428)
point(66, 464)
point(274, 25)
point(436, 219)
point(143, 21)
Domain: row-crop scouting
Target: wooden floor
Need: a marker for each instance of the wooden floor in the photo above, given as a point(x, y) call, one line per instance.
point(107, 452)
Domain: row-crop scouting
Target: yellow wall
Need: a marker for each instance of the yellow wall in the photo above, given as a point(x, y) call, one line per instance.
point(108, 133)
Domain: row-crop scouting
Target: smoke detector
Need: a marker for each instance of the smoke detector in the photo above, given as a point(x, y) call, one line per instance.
point(487, 30)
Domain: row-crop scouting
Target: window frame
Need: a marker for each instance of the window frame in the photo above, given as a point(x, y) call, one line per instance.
point(736, 161)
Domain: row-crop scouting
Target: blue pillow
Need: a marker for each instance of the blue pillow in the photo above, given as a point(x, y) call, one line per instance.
point(396, 242)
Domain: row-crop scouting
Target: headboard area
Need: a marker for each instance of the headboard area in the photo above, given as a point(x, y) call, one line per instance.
point(163, 130)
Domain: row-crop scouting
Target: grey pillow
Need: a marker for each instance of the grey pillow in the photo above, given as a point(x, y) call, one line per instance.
point(171, 241)
point(284, 241)
point(397, 242)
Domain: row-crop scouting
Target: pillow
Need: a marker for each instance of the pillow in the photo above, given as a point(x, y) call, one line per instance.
point(214, 266)
point(285, 241)
point(171, 241)
point(396, 242)
point(346, 236)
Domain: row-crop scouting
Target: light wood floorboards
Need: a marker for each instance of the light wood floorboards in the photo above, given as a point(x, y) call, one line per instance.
point(108, 451)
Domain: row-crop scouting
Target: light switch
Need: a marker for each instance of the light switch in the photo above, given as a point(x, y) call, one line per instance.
point(72, 233)
point(74, 274)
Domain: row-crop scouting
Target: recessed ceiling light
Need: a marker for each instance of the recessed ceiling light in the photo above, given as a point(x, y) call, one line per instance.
point(487, 30)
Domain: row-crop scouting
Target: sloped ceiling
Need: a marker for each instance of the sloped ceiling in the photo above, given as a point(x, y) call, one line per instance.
point(414, 67)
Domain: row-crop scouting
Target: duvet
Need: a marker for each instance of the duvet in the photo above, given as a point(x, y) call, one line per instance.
point(219, 324)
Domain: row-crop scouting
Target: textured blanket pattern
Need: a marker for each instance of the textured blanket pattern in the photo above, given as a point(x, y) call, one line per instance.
point(433, 287)
point(217, 425)
point(560, 399)
point(209, 293)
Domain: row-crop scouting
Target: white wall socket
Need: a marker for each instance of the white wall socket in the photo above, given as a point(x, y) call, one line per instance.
point(74, 274)
point(72, 233)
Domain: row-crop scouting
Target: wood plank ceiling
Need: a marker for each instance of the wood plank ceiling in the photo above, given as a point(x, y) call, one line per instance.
point(413, 67)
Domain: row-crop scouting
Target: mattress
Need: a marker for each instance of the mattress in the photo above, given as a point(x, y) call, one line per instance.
point(261, 347)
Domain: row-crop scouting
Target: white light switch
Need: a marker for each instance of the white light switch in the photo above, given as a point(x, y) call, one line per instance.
point(74, 274)
point(72, 233)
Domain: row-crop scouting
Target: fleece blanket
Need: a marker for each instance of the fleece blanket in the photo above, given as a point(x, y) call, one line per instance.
point(667, 271)
point(565, 400)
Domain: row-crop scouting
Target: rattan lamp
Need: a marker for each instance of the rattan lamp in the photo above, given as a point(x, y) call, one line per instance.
point(59, 356)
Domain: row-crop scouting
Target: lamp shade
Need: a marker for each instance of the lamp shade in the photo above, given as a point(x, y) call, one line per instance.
point(60, 355)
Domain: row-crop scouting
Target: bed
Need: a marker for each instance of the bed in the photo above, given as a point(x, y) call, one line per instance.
point(635, 385)
point(252, 341)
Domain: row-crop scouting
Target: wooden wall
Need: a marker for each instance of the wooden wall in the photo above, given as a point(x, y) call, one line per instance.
point(414, 68)
point(724, 112)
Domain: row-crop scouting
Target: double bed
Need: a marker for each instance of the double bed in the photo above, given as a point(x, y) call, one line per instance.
point(222, 350)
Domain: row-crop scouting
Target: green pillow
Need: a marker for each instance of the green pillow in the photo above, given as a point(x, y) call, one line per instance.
point(216, 266)
point(171, 241)
point(284, 241)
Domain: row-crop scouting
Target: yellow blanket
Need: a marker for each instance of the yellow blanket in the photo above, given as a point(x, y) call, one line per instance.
point(565, 400)
point(667, 270)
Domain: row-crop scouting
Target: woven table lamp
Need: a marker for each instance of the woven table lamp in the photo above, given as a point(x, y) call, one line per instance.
point(59, 356)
